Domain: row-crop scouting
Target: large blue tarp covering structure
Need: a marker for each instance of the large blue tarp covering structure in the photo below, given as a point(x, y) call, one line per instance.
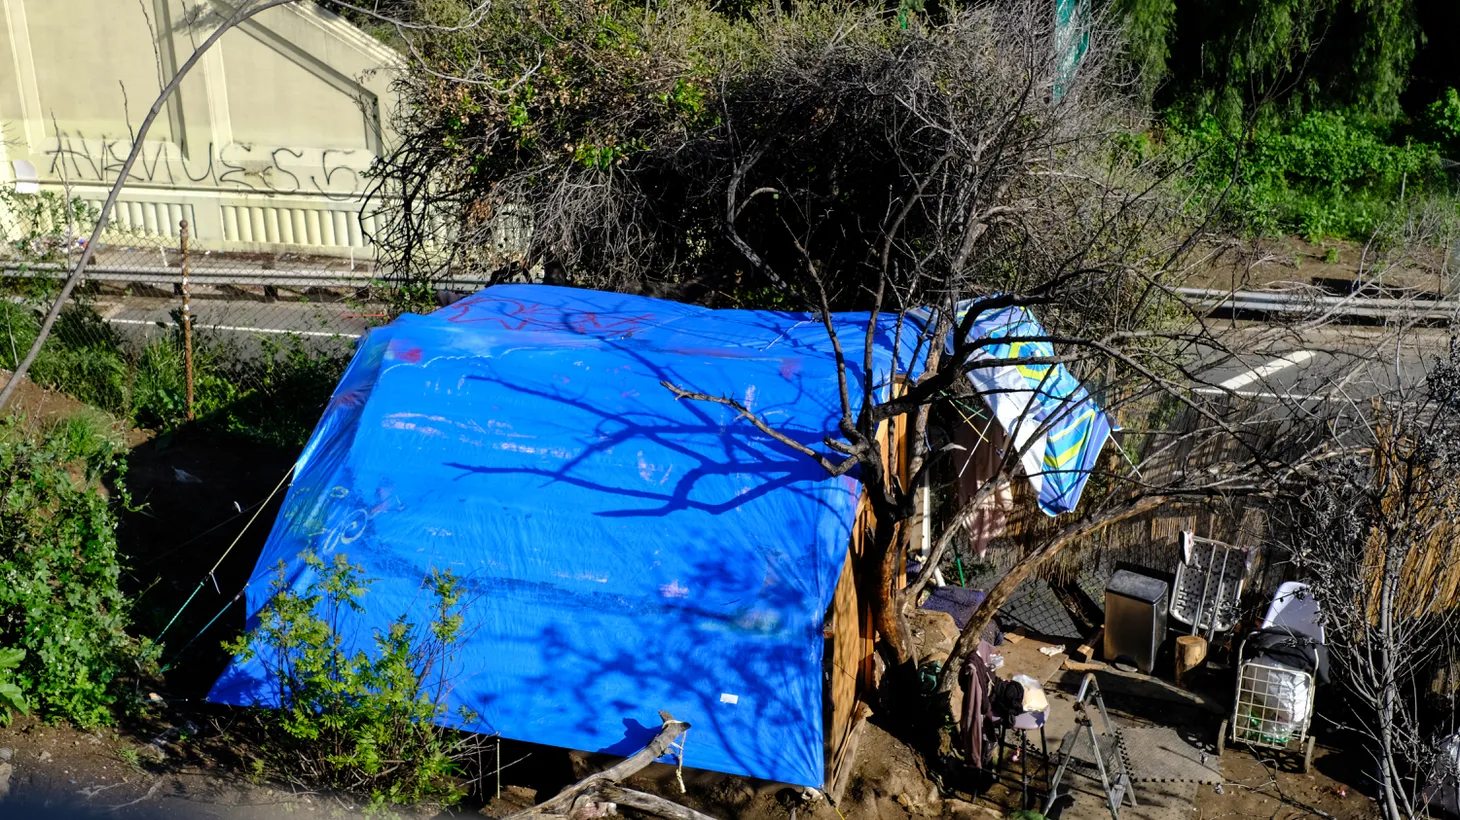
point(625, 552)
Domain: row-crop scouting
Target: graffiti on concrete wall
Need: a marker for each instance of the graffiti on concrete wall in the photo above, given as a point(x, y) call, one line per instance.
point(329, 172)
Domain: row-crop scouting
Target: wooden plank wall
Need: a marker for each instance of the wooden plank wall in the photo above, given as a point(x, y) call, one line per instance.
point(1429, 573)
point(850, 634)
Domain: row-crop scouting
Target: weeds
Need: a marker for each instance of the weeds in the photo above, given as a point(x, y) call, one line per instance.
point(1325, 174)
point(130, 757)
point(12, 698)
point(59, 597)
point(363, 721)
point(273, 396)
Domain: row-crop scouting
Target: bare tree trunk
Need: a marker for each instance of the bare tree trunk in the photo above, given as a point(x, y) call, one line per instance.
point(888, 617)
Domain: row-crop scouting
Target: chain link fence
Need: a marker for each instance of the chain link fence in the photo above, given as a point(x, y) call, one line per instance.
point(270, 333)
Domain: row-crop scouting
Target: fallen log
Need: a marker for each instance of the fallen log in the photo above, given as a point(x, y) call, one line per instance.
point(596, 794)
point(650, 803)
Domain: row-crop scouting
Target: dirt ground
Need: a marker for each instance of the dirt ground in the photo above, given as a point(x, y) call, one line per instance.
point(40, 406)
point(1261, 787)
point(1329, 265)
point(150, 769)
point(61, 772)
point(1256, 783)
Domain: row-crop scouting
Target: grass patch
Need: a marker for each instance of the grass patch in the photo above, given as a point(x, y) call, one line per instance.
point(273, 396)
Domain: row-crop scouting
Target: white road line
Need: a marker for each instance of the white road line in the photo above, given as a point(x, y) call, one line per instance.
point(1260, 394)
point(237, 329)
point(1279, 364)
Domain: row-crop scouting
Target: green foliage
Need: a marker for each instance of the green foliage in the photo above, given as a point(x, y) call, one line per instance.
point(273, 396)
point(59, 599)
point(83, 357)
point(349, 718)
point(1234, 58)
point(42, 228)
point(1323, 174)
point(584, 102)
point(1444, 120)
point(1318, 92)
point(130, 757)
point(1148, 24)
point(12, 698)
point(288, 385)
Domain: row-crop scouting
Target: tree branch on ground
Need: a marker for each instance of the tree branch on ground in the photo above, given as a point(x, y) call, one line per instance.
point(604, 787)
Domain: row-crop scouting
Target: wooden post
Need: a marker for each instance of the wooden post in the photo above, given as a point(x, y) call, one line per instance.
point(187, 319)
point(1092, 645)
point(1191, 652)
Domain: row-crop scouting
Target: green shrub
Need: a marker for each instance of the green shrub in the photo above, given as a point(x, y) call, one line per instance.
point(12, 699)
point(83, 357)
point(288, 387)
point(274, 396)
point(360, 721)
point(43, 227)
point(159, 386)
point(1323, 174)
point(59, 599)
point(1444, 120)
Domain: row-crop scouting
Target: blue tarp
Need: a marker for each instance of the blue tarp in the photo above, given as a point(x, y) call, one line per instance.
point(624, 552)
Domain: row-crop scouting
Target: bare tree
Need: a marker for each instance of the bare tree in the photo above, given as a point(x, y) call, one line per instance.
point(1373, 537)
point(831, 159)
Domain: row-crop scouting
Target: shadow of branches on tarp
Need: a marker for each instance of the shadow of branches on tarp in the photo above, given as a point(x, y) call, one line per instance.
point(625, 552)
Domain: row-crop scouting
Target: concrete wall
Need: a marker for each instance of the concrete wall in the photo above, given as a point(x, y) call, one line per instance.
point(262, 148)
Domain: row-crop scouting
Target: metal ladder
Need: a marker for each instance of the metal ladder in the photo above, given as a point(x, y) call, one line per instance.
point(1109, 760)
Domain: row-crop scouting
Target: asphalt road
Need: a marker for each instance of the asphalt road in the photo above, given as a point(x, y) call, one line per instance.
point(245, 325)
point(1331, 363)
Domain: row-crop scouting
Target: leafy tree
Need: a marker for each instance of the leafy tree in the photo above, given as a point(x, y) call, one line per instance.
point(1232, 59)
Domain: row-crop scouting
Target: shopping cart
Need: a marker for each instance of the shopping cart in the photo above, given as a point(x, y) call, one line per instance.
point(1278, 668)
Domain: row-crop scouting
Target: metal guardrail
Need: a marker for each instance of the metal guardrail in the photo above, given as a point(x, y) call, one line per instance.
point(1376, 307)
point(204, 276)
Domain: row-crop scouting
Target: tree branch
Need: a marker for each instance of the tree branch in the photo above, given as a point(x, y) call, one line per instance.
point(833, 468)
point(564, 801)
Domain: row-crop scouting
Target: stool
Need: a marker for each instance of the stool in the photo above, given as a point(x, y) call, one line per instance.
point(1024, 723)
